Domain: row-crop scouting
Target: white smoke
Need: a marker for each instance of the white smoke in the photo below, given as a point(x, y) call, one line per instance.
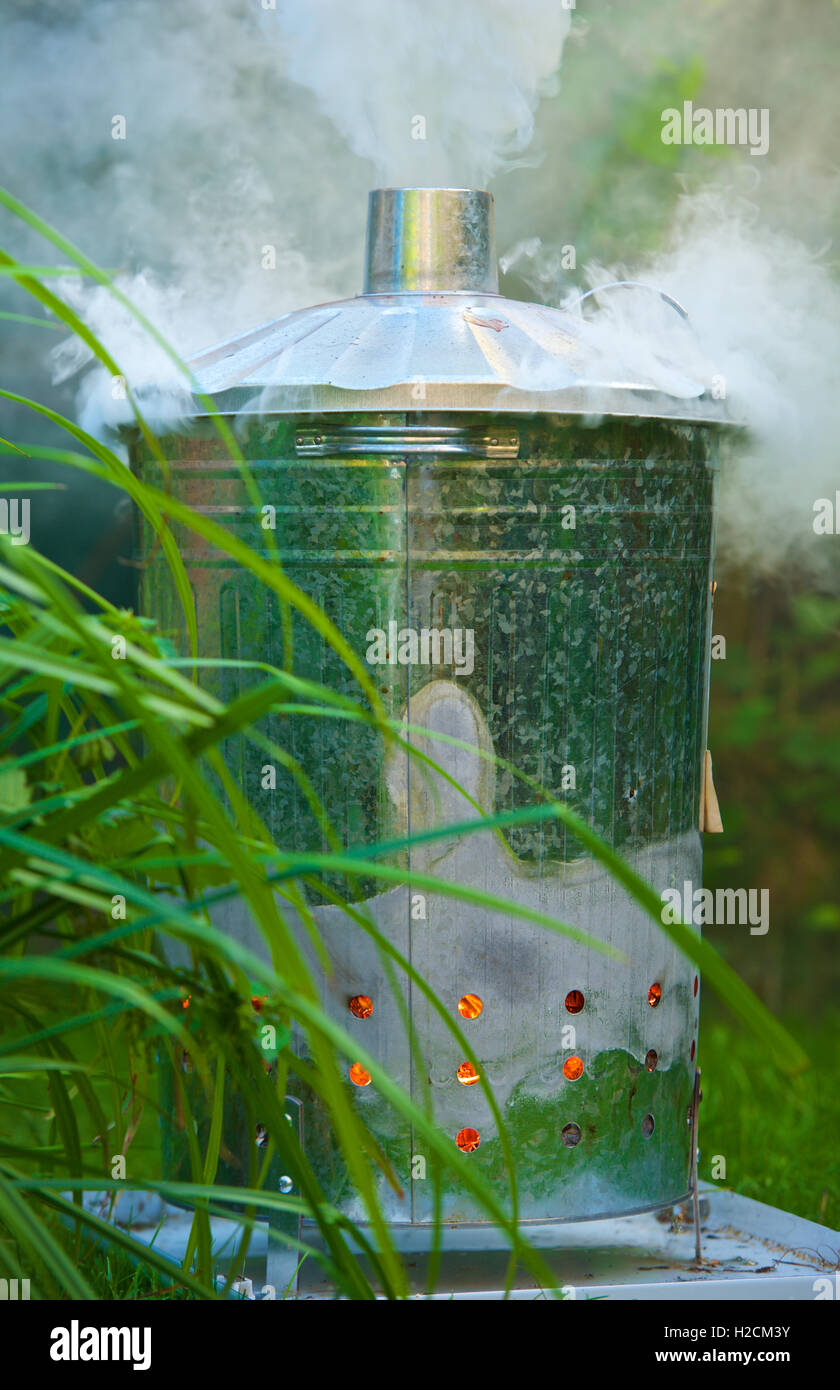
point(253, 131)
point(437, 94)
point(236, 194)
point(764, 332)
point(203, 211)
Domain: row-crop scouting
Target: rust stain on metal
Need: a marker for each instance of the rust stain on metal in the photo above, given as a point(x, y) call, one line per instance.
point(496, 324)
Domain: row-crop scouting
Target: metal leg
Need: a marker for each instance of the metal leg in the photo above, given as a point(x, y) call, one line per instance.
point(281, 1269)
point(282, 1261)
point(695, 1109)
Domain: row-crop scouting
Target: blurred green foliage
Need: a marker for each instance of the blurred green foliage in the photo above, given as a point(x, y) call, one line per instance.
point(775, 737)
point(779, 1138)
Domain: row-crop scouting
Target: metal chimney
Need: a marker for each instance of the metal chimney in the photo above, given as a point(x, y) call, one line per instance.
point(430, 240)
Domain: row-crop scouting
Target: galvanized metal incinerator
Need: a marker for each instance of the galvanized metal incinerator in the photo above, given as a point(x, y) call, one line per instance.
point(516, 536)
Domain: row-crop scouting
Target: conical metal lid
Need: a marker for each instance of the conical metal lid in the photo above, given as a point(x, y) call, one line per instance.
point(432, 333)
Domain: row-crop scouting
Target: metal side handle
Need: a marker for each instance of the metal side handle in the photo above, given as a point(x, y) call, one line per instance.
point(480, 442)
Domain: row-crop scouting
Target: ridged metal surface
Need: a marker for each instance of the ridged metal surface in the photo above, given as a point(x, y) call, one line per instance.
point(432, 333)
point(591, 650)
point(460, 351)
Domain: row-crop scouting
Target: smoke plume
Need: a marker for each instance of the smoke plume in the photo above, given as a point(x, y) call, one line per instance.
point(216, 158)
point(434, 94)
point(764, 333)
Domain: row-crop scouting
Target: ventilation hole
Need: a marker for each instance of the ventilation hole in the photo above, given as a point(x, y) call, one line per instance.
point(361, 1006)
point(696, 985)
point(654, 995)
point(262, 1137)
point(468, 1140)
point(470, 1006)
point(648, 1125)
point(573, 1068)
point(574, 1001)
point(467, 1074)
point(570, 1134)
point(693, 1050)
point(284, 1184)
point(359, 1076)
point(652, 1060)
point(257, 1001)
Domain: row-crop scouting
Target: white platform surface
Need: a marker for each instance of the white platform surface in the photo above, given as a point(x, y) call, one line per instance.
point(750, 1251)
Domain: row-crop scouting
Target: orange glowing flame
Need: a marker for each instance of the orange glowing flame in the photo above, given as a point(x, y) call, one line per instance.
point(467, 1074)
point(654, 995)
point(573, 1068)
point(470, 1006)
point(359, 1076)
point(468, 1140)
point(361, 1006)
